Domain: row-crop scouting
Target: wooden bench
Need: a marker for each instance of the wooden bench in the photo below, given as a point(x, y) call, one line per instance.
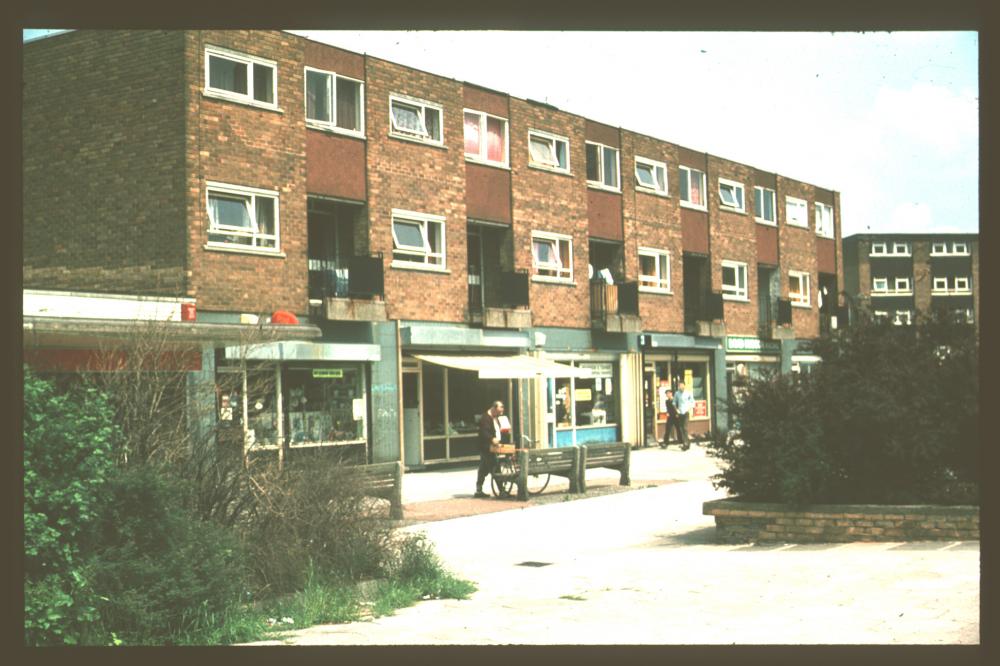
point(613, 455)
point(560, 462)
point(384, 480)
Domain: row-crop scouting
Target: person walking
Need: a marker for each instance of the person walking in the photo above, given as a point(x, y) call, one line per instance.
point(684, 402)
point(672, 421)
point(489, 434)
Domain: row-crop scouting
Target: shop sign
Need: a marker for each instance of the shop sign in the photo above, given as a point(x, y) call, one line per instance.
point(700, 410)
point(327, 373)
point(739, 343)
point(582, 395)
point(598, 370)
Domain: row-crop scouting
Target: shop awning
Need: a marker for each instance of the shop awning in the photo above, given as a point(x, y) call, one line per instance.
point(507, 367)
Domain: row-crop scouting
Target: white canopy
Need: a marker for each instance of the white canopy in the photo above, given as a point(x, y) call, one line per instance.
point(507, 367)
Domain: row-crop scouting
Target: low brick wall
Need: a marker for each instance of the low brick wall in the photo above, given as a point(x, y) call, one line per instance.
point(737, 522)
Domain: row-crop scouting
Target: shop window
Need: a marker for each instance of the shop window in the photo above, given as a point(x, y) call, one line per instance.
point(262, 412)
point(694, 374)
point(324, 405)
point(454, 400)
point(433, 380)
point(583, 402)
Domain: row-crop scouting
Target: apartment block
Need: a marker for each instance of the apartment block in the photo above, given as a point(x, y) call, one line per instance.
point(438, 243)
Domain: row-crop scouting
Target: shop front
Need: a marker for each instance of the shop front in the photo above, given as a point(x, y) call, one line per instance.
point(663, 371)
point(585, 408)
point(749, 359)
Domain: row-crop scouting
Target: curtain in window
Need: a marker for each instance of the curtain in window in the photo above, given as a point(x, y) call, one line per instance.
point(610, 167)
point(348, 105)
point(472, 138)
point(432, 121)
point(263, 83)
point(697, 196)
point(265, 215)
point(318, 96)
point(647, 269)
point(541, 151)
point(407, 118)
point(495, 140)
point(593, 162)
point(661, 179)
point(226, 74)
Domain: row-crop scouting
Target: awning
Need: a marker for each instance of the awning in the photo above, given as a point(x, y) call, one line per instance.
point(507, 367)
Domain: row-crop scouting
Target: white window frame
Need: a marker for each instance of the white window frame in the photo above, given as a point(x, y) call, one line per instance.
point(965, 248)
point(601, 176)
point(425, 258)
point(252, 194)
point(881, 314)
point(962, 285)
point(331, 124)
point(552, 139)
point(735, 292)
point(656, 284)
point(801, 297)
point(758, 197)
point(964, 313)
point(897, 252)
point(654, 166)
point(940, 285)
point(422, 136)
point(935, 252)
point(563, 270)
point(881, 289)
point(794, 203)
point(685, 200)
point(824, 215)
point(735, 185)
point(249, 61)
point(907, 287)
point(481, 157)
point(900, 314)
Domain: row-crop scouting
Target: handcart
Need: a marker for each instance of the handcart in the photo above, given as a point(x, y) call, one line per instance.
point(506, 471)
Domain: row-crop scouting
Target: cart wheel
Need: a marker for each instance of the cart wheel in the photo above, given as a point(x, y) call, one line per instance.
point(505, 470)
point(502, 487)
point(537, 483)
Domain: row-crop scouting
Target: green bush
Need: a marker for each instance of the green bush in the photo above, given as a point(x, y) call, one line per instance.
point(890, 416)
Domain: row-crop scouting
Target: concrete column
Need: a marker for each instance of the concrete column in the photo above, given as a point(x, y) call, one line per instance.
point(386, 438)
point(200, 400)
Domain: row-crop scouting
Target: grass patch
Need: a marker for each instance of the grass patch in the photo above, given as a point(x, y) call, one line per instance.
point(573, 597)
point(392, 595)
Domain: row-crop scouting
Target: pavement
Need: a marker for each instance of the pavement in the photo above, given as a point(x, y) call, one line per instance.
point(642, 567)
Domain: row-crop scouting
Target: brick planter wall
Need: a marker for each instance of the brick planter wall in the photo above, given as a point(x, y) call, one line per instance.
point(738, 521)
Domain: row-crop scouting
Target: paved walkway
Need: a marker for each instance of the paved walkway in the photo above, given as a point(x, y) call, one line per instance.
point(641, 567)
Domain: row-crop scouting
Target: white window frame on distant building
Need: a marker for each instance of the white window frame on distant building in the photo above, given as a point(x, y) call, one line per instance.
point(939, 249)
point(429, 116)
point(960, 244)
point(940, 285)
point(824, 220)
point(964, 315)
point(550, 144)
point(658, 281)
point(482, 121)
point(599, 163)
point(738, 290)
point(688, 174)
point(557, 266)
point(881, 315)
point(962, 285)
point(760, 195)
point(879, 250)
point(333, 122)
point(736, 191)
point(655, 173)
point(251, 236)
point(900, 249)
point(798, 289)
point(880, 285)
point(796, 212)
point(905, 288)
point(900, 316)
point(430, 252)
point(253, 67)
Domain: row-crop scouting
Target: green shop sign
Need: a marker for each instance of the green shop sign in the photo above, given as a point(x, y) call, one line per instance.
point(739, 343)
point(328, 373)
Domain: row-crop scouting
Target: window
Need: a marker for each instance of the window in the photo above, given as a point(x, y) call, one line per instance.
point(692, 188)
point(880, 284)
point(415, 119)
point(548, 151)
point(960, 248)
point(734, 281)
point(242, 217)
point(939, 248)
point(602, 166)
point(940, 284)
point(878, 249)
point(902, 318)
point(901, 248)
point(731, 194)
point(964, 316)
point(824, 220)
point(797, 212)
point(961, 284)
point(552, 257)
point(798, 288)
point(334, 102)
point(241, 77)
point(763, 205)
point(485, 138)
point(417, 240)
point(902, 284)
point(881, 315)
point(650, 175)
point(654, 270)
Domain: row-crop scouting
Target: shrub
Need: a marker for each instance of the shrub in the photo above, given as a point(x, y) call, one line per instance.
point(889, 416)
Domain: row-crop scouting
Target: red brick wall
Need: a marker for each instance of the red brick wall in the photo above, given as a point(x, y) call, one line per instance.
point(242, 145)
point(103, 162)
point(767, 244)
point(733, 238)
point(335, 165)
point(797, 247)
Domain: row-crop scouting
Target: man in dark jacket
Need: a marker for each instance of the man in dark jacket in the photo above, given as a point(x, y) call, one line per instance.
point(489, 433)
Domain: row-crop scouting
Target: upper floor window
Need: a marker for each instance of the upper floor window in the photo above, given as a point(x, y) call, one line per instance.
point(654, 270)
point(602, 166)
point(548, 151)
point(241, 77)
point(731, 194)
point(692, 188)
point(418, 240)
point(485, 138)
point(879, 249)
point(798, 288)
point(334, 101)
point(880, 284)
point(939, 248)
point(961, 284)
point(940, 284)
point(650, 175)
point(552, 256)
point(763, 205)
point(824, 220)
point(960, 248)
point(415, 119)
point(796, 212)
point(734, 281)
point(902, 284)
point(242, 217)
point(903, 318)
point(901, 249)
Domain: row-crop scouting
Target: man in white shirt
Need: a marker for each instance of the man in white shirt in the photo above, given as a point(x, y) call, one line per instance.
point(684, 402)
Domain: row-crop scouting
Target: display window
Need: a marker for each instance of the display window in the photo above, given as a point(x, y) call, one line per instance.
point(586, 404)
point(453, 401)
point(324, 405)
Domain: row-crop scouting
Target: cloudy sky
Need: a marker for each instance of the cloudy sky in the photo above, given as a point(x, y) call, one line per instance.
point(890, 120)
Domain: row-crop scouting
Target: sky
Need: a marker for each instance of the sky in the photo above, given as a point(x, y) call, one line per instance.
point(889, 120)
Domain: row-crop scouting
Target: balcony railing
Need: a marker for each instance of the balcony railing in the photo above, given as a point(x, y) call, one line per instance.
point(709, 309)
point(363, 277)
point(613, 299)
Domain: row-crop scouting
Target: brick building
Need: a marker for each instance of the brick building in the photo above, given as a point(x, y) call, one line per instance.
point(899, 276)
point(442, 244)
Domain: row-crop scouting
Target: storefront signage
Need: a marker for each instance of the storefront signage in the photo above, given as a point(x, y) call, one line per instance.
point(700, 410)
point(738, 343)
point(327, 373)
point(598, 370)
point(582, 395)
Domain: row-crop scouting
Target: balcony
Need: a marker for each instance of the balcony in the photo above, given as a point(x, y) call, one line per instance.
point(352, 293)
point(505, 308)
point(614, 308)
point(705, 317)
point(776, 322)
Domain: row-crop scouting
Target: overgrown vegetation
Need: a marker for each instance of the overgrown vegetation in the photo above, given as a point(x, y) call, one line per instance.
point(140, 528)
point(891, 415)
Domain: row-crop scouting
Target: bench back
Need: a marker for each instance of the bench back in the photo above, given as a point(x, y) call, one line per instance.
point(550, 461)
point(609, 454)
